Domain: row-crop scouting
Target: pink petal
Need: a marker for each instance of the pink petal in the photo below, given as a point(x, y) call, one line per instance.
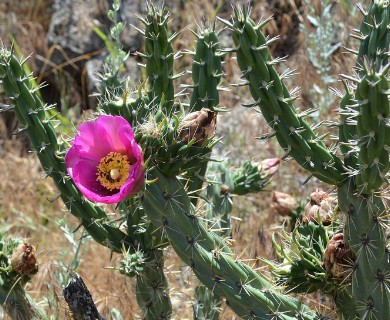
point(115, 127)
point(93, 141)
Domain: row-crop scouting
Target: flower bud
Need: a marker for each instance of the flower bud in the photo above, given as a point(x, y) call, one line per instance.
point(199, 125)
point(320, 205)
point(269, 166)
point(338, 257)
point(283, 203)
point(23, 259)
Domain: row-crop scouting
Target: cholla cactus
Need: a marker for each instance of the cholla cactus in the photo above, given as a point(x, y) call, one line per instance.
point(364, 136)
point(174, 157)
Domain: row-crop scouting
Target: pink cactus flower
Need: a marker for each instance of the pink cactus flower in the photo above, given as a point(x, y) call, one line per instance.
point(105, 162)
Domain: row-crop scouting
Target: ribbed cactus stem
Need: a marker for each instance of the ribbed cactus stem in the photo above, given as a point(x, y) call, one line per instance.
point(30, 111)
point(294, 134)
point(206, 71)
point(347, 129)
point(360, 198)
point(152, 288)
point(218, 208)
point(147, 264)
point(372, 56)
point(159, 56)
point(248, 293)
point(365, 232)
point(207, 306)
point(206, 76)
point(373, 132)
point(374, 34)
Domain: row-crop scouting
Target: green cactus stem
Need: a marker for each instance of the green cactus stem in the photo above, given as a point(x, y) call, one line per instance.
point(294, 134)
point(30, 111)
point(147, 263)
point(374, 34)
point(159, 56)
point(248, 293)
point(360, 197)
point(206, 71)
point(152, 290)
point(206, 306)
point(206, 76)
point(222, 183)
point(374, 44)
point(365, 233)
point(218, 207)
point(364, 134)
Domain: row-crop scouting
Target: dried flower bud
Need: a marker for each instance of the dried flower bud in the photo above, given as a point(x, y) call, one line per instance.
point(225, 189)
point(321, 204)
point(23, 259)
point(199, 125)
point(338, 257)
point(269, 166)
point(283, 203)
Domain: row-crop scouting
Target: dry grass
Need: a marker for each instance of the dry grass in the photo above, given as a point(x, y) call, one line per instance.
point(28, 205)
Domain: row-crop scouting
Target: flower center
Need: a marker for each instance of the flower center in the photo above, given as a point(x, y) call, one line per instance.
point(113, 170)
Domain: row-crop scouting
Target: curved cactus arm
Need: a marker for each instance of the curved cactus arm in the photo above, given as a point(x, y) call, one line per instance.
point(248, 293)
point(294, 134)
point(159, 56)
point(31, 113)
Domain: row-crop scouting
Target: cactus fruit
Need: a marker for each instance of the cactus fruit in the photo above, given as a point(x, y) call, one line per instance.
point(18, 264)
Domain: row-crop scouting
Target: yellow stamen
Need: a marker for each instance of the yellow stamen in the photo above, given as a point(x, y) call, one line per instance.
point(113, 170)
